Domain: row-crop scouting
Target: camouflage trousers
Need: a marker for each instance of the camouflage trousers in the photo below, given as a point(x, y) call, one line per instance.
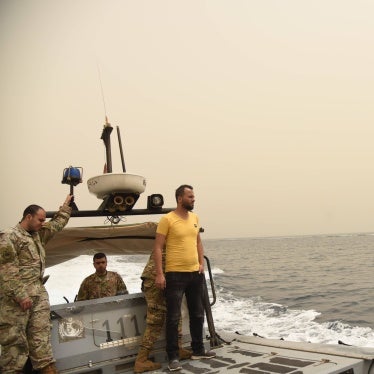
point(25, 334)
point(156, 314)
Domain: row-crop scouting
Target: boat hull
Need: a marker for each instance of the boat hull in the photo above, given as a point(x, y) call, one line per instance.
point(103, 335)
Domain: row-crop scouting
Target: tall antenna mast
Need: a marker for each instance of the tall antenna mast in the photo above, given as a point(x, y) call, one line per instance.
point(105, 136)
point(102, 93)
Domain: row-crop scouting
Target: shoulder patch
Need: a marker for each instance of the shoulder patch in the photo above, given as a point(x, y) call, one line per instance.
point(7, 254)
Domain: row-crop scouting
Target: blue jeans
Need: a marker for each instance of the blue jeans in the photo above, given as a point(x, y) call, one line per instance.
point(178, 284)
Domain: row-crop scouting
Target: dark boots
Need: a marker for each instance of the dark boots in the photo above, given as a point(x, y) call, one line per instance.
point(142, 363)
point(49, 369)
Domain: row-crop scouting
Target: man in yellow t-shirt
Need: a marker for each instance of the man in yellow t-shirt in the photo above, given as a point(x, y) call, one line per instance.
point(184, 272)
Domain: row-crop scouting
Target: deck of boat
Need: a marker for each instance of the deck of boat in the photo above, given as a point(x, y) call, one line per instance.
point(250, 355)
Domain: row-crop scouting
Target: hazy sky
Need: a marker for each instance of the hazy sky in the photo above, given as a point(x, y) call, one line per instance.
point(265, 107)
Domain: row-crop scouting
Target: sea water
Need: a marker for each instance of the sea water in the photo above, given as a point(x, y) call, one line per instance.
point(304, 288)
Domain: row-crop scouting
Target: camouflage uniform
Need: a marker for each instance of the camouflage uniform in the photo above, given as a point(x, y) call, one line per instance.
point(96, 286)
point(156, 304)
point(22, 263)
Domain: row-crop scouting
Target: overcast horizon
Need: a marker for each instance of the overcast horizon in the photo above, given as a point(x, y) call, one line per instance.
point(264, 107)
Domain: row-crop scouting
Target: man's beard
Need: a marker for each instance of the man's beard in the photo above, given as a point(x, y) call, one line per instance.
point(188, 207)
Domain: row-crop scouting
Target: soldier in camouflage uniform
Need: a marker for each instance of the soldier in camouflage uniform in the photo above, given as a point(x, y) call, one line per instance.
point(156, 314)
point(102, 283)
point(25, 328)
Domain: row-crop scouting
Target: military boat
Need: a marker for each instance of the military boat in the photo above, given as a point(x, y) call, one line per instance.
point(102, 336)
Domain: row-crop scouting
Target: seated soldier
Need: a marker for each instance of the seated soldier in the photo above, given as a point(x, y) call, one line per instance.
point(102, 283)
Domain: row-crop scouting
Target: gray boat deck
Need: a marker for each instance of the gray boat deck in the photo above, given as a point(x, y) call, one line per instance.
point(252, 358)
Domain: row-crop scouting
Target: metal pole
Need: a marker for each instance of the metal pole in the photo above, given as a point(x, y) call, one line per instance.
point(106, 213)
point(214, 338)
point(121, 151)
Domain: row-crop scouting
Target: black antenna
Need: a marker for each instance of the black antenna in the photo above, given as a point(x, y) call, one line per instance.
point(105, 136)
point(102, 92)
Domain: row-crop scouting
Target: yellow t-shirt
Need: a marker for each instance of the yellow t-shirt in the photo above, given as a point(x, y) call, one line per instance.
point(181, 241)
